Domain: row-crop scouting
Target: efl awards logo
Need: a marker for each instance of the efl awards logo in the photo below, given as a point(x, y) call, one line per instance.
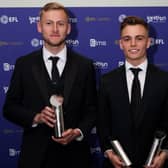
point(4, 19)
point(36, 42)
point(121, 18)
point(157, 41)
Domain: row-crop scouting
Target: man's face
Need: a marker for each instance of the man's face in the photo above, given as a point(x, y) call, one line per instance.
point(134, 43)
point(54, 27)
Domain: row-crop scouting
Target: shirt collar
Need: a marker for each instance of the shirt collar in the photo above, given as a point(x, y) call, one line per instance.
point(143, 66)
point(62, 54)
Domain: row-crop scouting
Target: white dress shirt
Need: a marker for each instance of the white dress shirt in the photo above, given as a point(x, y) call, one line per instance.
point(61, 62)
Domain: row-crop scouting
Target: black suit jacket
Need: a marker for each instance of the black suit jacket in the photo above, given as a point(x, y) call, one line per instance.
point(114, 119)
point(28, 95)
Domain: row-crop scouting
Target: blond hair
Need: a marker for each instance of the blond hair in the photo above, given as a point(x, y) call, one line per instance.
point(53, 6)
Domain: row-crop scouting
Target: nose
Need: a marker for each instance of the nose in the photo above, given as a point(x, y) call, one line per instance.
point(133, 42)
point(55, 27)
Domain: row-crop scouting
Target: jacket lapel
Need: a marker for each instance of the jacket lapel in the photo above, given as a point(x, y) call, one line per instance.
point(146, 92)
point(38, 70)
point(124, 87)
point(70, 73)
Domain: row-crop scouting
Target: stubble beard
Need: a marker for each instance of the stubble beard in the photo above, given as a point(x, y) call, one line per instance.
point(51, 44)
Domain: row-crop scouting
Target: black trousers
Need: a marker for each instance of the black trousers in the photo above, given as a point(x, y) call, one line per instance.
point(74, 155)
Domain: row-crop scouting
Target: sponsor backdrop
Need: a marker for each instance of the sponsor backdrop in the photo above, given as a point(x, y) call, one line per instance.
point(95, 35)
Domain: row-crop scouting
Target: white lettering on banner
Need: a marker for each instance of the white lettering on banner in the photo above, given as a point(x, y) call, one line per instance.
point(157, 41)
point(156, 19)
point(72, 42)
point(5, 88)
point(98, 19)
point(4, 19)
point(6, 43)
point(101, 65)
point(120, 63)
point(95, 43)
point(33, 19)
point(73, 20)
point(8, 67)
point(13, 152)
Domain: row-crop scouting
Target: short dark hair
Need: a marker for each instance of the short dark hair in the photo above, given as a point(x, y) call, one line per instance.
point(134, 20)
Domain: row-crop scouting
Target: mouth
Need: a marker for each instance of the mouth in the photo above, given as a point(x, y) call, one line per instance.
point(55, 35)
point(133, 51)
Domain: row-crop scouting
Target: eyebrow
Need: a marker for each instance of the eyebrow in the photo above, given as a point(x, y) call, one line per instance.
point(128, 36)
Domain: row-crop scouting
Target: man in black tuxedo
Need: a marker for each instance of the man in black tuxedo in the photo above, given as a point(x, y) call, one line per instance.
point(27, 101)
point(115, 118)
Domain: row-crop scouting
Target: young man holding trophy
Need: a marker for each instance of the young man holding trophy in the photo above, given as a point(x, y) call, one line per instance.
point(133, 105)
point(53, 81)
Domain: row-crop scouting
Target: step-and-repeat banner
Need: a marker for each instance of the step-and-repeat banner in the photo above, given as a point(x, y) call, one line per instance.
point(95, 34)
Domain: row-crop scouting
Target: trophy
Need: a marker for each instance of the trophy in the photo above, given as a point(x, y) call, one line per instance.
point(156, 147)
point(56, 102)
point(120, 151)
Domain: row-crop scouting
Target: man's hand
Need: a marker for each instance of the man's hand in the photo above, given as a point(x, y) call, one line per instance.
point(114, 159)
point(67, 136)
point(46, 116)
point(159, 160)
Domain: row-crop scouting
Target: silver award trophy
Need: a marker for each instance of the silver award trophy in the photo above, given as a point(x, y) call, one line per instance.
point(120, 151)
point(156, 147)
point(56, 102)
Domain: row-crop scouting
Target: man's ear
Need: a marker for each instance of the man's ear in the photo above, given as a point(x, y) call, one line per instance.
point(120, 44)
point(39, 27)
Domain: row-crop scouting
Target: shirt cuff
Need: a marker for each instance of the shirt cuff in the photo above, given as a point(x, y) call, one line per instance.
point(81, 136)
point(34, 125)
point(105, 153)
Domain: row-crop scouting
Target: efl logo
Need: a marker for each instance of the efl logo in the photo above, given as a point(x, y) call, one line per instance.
point(121, 18)
point(36, 42)
point(4, 19)
point(95, 43)
point(13, 152)
point(157, 41)
point(8, 67)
